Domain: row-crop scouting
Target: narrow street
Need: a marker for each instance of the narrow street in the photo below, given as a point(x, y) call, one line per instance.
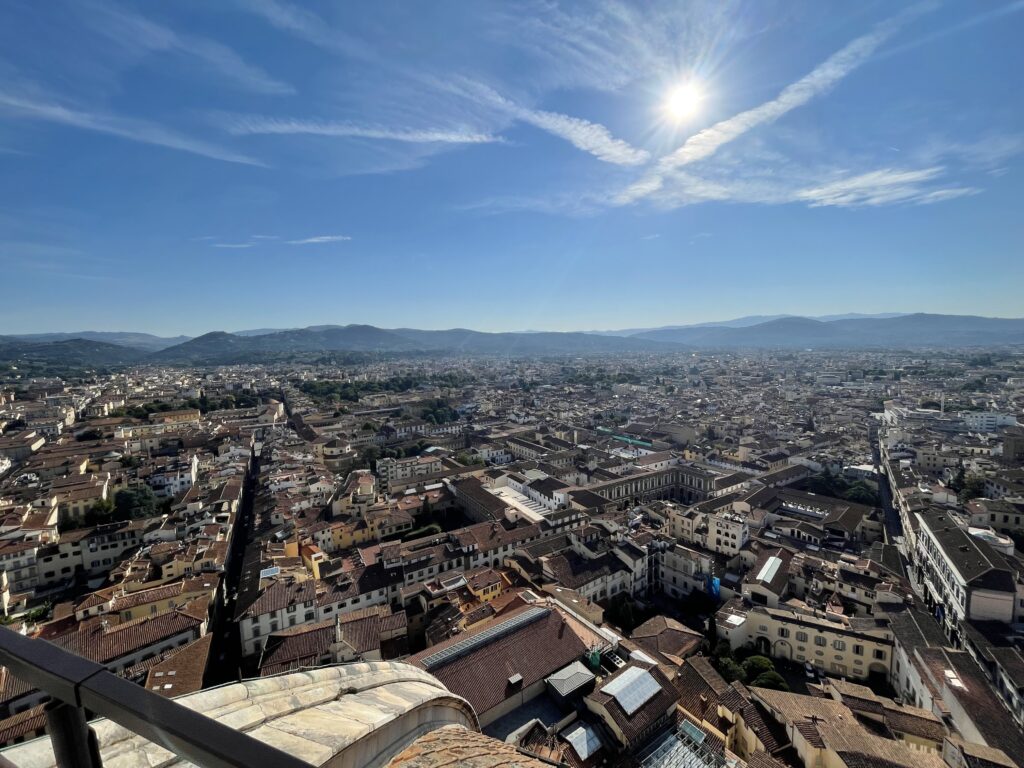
point(225, 651)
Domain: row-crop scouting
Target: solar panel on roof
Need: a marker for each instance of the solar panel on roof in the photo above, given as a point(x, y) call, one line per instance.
point(266, 573)
point(769, 569)
point(632, 689)
point(489, 635)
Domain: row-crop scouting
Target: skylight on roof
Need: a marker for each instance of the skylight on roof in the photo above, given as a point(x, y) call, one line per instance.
point(584, 740)
point(632, 689)
point(769, 569)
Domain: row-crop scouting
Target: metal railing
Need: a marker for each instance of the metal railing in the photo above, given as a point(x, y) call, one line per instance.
point(79, 686)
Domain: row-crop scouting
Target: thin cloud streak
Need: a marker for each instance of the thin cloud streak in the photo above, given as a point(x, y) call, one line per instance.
point(138, 131)
point(882, 187)
point(707, 142)
point(308, 26)
point(593, 138)
point(232, 245)
point(590, 137)
point(318, 239)
point(133, 30)
point(283, 126)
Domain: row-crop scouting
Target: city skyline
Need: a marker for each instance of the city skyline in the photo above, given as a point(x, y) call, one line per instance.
point(185, 169)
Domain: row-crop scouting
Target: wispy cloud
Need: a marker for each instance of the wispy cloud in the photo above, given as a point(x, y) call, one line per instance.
point(48, 110)
point(318, 239)
point(308, 26)
point(343, 129)
point(609, 45)
point(135, 31)
point(590, 137)
point(708, 141)
point(650, 237)
point(883, 187)
point(582, 134)
point(258, 240)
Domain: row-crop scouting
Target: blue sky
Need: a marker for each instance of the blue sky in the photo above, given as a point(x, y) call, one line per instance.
point(193, 166)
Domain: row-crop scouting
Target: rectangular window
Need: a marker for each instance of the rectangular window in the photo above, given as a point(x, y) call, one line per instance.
point(820, 641)
point(879, 654)
point(839, 645)
point(801, 637)
point(783, 632)
point(858, 650)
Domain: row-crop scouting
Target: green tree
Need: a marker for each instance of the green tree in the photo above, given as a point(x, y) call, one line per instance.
point(135, 502)
point(723, 650)
point(103, 507)
point(772, 680)
point(974, 487)
point(729, 669)
point(370, 456)
point(860, 493)
point(755, 666)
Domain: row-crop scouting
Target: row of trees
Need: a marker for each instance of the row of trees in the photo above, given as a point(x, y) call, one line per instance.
point(333, 391)
point(440, 412)
point(829, 484)
point(368, 458)
point(203, 404)
point(128, 504)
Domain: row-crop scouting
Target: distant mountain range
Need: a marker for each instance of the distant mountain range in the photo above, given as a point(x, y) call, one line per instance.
point(919, 330)
point(220, 346)
point(755, 332)
point(69, 352)
point(144, 341)
point(748, 320)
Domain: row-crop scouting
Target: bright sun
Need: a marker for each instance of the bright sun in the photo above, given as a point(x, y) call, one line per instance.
point(683, 101)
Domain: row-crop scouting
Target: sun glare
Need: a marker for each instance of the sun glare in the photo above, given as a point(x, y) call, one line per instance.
point(683, 101)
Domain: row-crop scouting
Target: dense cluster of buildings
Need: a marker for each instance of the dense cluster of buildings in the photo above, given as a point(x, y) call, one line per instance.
point(585, 551)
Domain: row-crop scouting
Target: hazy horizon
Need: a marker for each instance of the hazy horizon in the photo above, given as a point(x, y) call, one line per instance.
point(760, 318)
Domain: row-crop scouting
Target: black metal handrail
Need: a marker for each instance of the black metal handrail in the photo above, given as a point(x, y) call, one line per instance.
point(81, 686)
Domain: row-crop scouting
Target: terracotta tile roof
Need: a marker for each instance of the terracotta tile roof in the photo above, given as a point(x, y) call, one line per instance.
point(667, 638)
point(648, 714)
point(23, 724)
point(533, 651)
point(453, 745)
point(105, 645)
point(182, 670)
